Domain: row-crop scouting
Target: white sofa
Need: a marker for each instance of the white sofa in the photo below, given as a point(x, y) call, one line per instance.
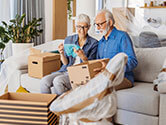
point(140, 105)
point(15, 67)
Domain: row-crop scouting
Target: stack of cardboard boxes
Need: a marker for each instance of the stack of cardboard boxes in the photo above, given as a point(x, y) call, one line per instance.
point(27, 109)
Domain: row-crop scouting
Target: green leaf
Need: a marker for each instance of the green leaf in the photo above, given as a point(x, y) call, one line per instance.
point(2, 30)
point(17, 16)
point(6, 39)
point(2, 45)
point(21, 19)
point(38, 24)
point(4, 23)
point(13, 21)
point(19, 31)
point(40, 19)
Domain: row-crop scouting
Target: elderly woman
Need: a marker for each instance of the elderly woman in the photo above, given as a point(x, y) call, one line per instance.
point(58, 82)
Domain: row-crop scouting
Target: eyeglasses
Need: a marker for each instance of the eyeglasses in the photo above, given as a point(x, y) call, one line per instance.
point(99, 24)
point(82, 27)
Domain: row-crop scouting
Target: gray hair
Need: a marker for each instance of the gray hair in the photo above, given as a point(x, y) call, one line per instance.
point(83, 18)
point(108, 15)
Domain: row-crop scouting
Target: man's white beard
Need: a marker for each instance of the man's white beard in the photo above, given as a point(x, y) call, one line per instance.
point(104, 32)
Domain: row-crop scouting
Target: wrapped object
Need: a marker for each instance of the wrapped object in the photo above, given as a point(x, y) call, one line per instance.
point(95, 101)
point(160, 82)
point(145, 29)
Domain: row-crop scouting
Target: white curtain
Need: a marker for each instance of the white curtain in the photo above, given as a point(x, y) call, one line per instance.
point(32, 9)
point(5, 15)
point(5, 10)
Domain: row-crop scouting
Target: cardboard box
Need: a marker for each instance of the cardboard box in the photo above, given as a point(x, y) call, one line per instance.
point(43, 64)
point(27, 109)
point(81, 73)
point(34, 51)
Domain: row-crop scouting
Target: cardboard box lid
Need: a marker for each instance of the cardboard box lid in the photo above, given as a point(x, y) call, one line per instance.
point(46, 56)
point(98, 60)
point(27, 98)
point(91, 62)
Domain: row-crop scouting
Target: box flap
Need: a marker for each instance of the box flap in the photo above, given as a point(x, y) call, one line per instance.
point(46, 56)
point(93, 64)
point(28, 97)
point(98, 60)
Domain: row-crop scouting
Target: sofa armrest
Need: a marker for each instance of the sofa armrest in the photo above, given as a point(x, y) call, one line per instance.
point(162, 109)
point(162, 88)
point(15, 80)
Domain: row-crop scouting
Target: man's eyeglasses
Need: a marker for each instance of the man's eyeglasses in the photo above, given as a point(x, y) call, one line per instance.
point(99, 24)
point(82, 27)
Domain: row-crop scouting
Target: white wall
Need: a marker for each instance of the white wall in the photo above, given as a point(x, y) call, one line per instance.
point(114, 3)
point(83, 6)
point(48, 20)
point(86, 6)
point(123, 3)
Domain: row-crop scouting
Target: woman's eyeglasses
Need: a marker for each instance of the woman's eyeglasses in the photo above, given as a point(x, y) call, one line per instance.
point(82, 27)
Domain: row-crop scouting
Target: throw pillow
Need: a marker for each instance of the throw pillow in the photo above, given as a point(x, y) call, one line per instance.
point(148, 40)
point(150, 61)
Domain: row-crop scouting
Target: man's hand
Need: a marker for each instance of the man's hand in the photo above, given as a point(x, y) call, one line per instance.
point(101, 68)
point(61, 48)
point(81, 54)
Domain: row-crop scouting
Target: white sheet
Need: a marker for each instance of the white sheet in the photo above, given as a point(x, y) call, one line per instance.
point(161, 80)
point(69, 104)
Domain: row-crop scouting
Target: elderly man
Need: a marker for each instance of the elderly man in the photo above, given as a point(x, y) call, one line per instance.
point(113, 42)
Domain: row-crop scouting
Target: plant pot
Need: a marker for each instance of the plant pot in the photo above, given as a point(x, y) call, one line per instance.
point(17, 48)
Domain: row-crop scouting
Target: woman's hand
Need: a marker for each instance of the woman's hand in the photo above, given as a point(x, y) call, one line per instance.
point(61, 48)
point(62, 56)
point(81, 54)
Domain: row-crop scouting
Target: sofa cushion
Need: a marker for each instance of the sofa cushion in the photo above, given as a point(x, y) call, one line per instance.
point(124, 117)
point(148, 40)
point(30, 84)
point(141, 98)
point(150, 61)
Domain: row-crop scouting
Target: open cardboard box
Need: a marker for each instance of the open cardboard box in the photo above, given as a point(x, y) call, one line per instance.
point(27, 109)
point(81, 73)
point(42, 64)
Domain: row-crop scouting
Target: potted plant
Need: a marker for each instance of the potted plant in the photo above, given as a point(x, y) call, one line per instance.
point(69, 8)
point(22, 34)
point(4, 39)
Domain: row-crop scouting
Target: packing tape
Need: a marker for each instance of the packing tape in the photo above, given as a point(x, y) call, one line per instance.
point(90, 100)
